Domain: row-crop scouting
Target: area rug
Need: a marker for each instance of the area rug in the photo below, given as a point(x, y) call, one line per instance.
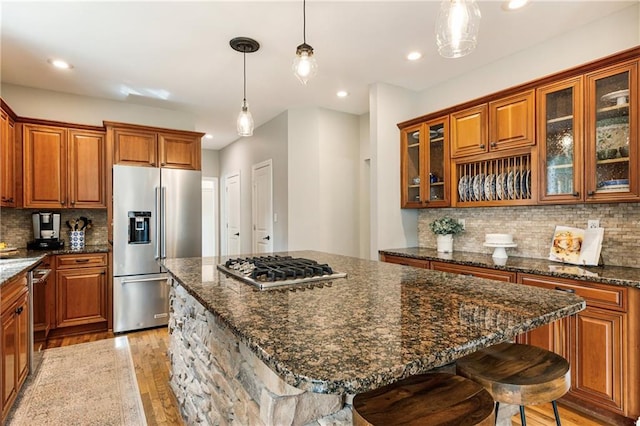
point(86, 384)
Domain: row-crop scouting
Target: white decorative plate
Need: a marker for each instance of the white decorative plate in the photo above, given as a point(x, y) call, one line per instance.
point(510, 189)
point(462, 191)
point(615, 96)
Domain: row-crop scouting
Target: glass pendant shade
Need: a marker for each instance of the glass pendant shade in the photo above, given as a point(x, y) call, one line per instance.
point(457, 27)
point(244, 123)
point(305, 66)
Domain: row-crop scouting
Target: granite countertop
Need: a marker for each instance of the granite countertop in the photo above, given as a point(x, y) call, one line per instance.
point(614, 275)
point(381, 323)
point(25, 260)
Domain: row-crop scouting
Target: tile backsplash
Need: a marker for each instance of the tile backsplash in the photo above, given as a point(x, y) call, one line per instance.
point(16, 226)
point(532, 228)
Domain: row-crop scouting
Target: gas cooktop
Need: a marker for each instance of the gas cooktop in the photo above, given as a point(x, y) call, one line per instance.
point(275, 271)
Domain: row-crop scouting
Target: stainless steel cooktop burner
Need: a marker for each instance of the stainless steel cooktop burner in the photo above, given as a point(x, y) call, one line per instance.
point(275, 271)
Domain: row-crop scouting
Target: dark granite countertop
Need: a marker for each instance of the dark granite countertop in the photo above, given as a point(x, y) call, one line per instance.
point(615, 275)
point(25, 260)
point(381, 323)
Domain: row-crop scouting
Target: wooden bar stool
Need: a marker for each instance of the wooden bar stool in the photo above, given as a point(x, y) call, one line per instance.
point(425, 400)
point(518, 374)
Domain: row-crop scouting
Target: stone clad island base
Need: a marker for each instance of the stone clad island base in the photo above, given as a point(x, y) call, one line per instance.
point(218, 380)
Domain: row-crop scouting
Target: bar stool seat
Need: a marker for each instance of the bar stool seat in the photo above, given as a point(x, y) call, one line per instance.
point(518, 374)
point(425, 400)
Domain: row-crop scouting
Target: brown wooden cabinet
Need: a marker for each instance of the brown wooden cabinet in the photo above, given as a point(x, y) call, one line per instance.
point(505, 123)
point(153, 147)
point(601, 344)
point(612, 149)
point(81, 287)
point(44, 302)
point(474, 271)
point(407, 261)
point(63, 167)
point(425, 162)
point(8, 196)
point(14, 335)
point(469, 131)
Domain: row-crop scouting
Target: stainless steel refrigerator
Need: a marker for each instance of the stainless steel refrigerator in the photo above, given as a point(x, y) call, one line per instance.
point(156, 214)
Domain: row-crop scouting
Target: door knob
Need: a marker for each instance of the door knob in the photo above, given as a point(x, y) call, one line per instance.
point(267, 238)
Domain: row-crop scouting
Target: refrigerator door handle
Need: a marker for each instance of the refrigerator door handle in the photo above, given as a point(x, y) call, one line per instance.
point(142, 280)
point(157, 236)
point(163, 220)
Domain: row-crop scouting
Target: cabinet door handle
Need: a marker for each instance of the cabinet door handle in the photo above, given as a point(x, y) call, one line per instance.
point(19, 310)
point(82, 260)
point(576, 194)
point(591, 193)
point(493, 144)
point(62, 202)
point(481, 146)
point(566, 290)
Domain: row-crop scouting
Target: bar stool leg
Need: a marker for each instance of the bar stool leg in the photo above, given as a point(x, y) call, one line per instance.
point(496, 414)
point(523, 420)
point(555, 412)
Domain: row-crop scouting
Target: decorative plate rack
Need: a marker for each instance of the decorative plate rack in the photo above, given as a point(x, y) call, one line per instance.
point(505, 180)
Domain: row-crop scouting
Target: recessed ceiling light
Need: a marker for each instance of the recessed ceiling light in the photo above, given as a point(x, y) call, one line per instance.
point(208, 136)
point(342, 94)
point(510, 5)
point(59, 63)
point(414, 56)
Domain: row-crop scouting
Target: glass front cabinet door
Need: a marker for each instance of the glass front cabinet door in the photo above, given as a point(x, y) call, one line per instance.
point(611, 134)
point(425, 164)
point(437, 162)
point(412, 166)
point(560, 124)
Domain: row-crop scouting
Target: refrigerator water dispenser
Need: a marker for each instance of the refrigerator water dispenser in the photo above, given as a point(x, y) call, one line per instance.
point(139, 231)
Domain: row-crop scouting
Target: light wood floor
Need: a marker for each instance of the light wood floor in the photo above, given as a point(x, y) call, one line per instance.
point(149, 351)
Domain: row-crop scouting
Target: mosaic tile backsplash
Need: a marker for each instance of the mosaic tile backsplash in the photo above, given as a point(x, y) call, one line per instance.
point(16, 227)
point(532, 228)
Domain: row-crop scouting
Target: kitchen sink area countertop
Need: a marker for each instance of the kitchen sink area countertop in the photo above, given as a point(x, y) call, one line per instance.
point(381, 323)
point(614, 275)
point(25, 259)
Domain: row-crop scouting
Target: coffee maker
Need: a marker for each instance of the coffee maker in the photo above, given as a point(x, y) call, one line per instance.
point(46, 232)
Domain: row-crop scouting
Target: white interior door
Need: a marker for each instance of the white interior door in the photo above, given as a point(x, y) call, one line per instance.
point(232, 210)
point(209, 216)
point(262, 207)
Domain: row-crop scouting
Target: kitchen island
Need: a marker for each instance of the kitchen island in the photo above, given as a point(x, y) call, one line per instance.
point(297, 356)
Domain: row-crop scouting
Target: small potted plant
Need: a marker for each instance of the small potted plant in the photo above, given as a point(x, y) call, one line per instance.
point(445, 228)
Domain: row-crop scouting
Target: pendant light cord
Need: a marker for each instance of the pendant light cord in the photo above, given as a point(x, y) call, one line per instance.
point(304, 21)
point(244, 73)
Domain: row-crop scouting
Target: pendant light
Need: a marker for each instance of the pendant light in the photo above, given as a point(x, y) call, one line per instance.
point(304, 65)
point(244, 45)
point(457, 27)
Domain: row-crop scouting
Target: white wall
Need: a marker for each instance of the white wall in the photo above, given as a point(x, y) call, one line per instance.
point(57, 106)
point(324, 197)
point(601, 38)
point(364, 216)
point(391, 226)
point(269, 141)
point(339, 139)
point(304, 178)
point(210, 163)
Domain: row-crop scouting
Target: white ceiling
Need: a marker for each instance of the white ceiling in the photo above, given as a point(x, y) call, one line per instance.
point(176, 54)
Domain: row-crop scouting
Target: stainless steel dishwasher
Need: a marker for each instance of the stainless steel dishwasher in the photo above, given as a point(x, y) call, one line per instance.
point(36, 277)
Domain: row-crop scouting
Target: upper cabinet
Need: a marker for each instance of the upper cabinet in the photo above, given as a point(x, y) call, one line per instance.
point(560, 136)
point(611, 141)
point(63, 167)
point(152, 147)
point(502, 124)
point(566, 138)
point(425, 164)
point(8, 172)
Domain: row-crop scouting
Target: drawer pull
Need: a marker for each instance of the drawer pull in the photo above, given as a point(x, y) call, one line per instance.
point(566, 290)
point(82, 260)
